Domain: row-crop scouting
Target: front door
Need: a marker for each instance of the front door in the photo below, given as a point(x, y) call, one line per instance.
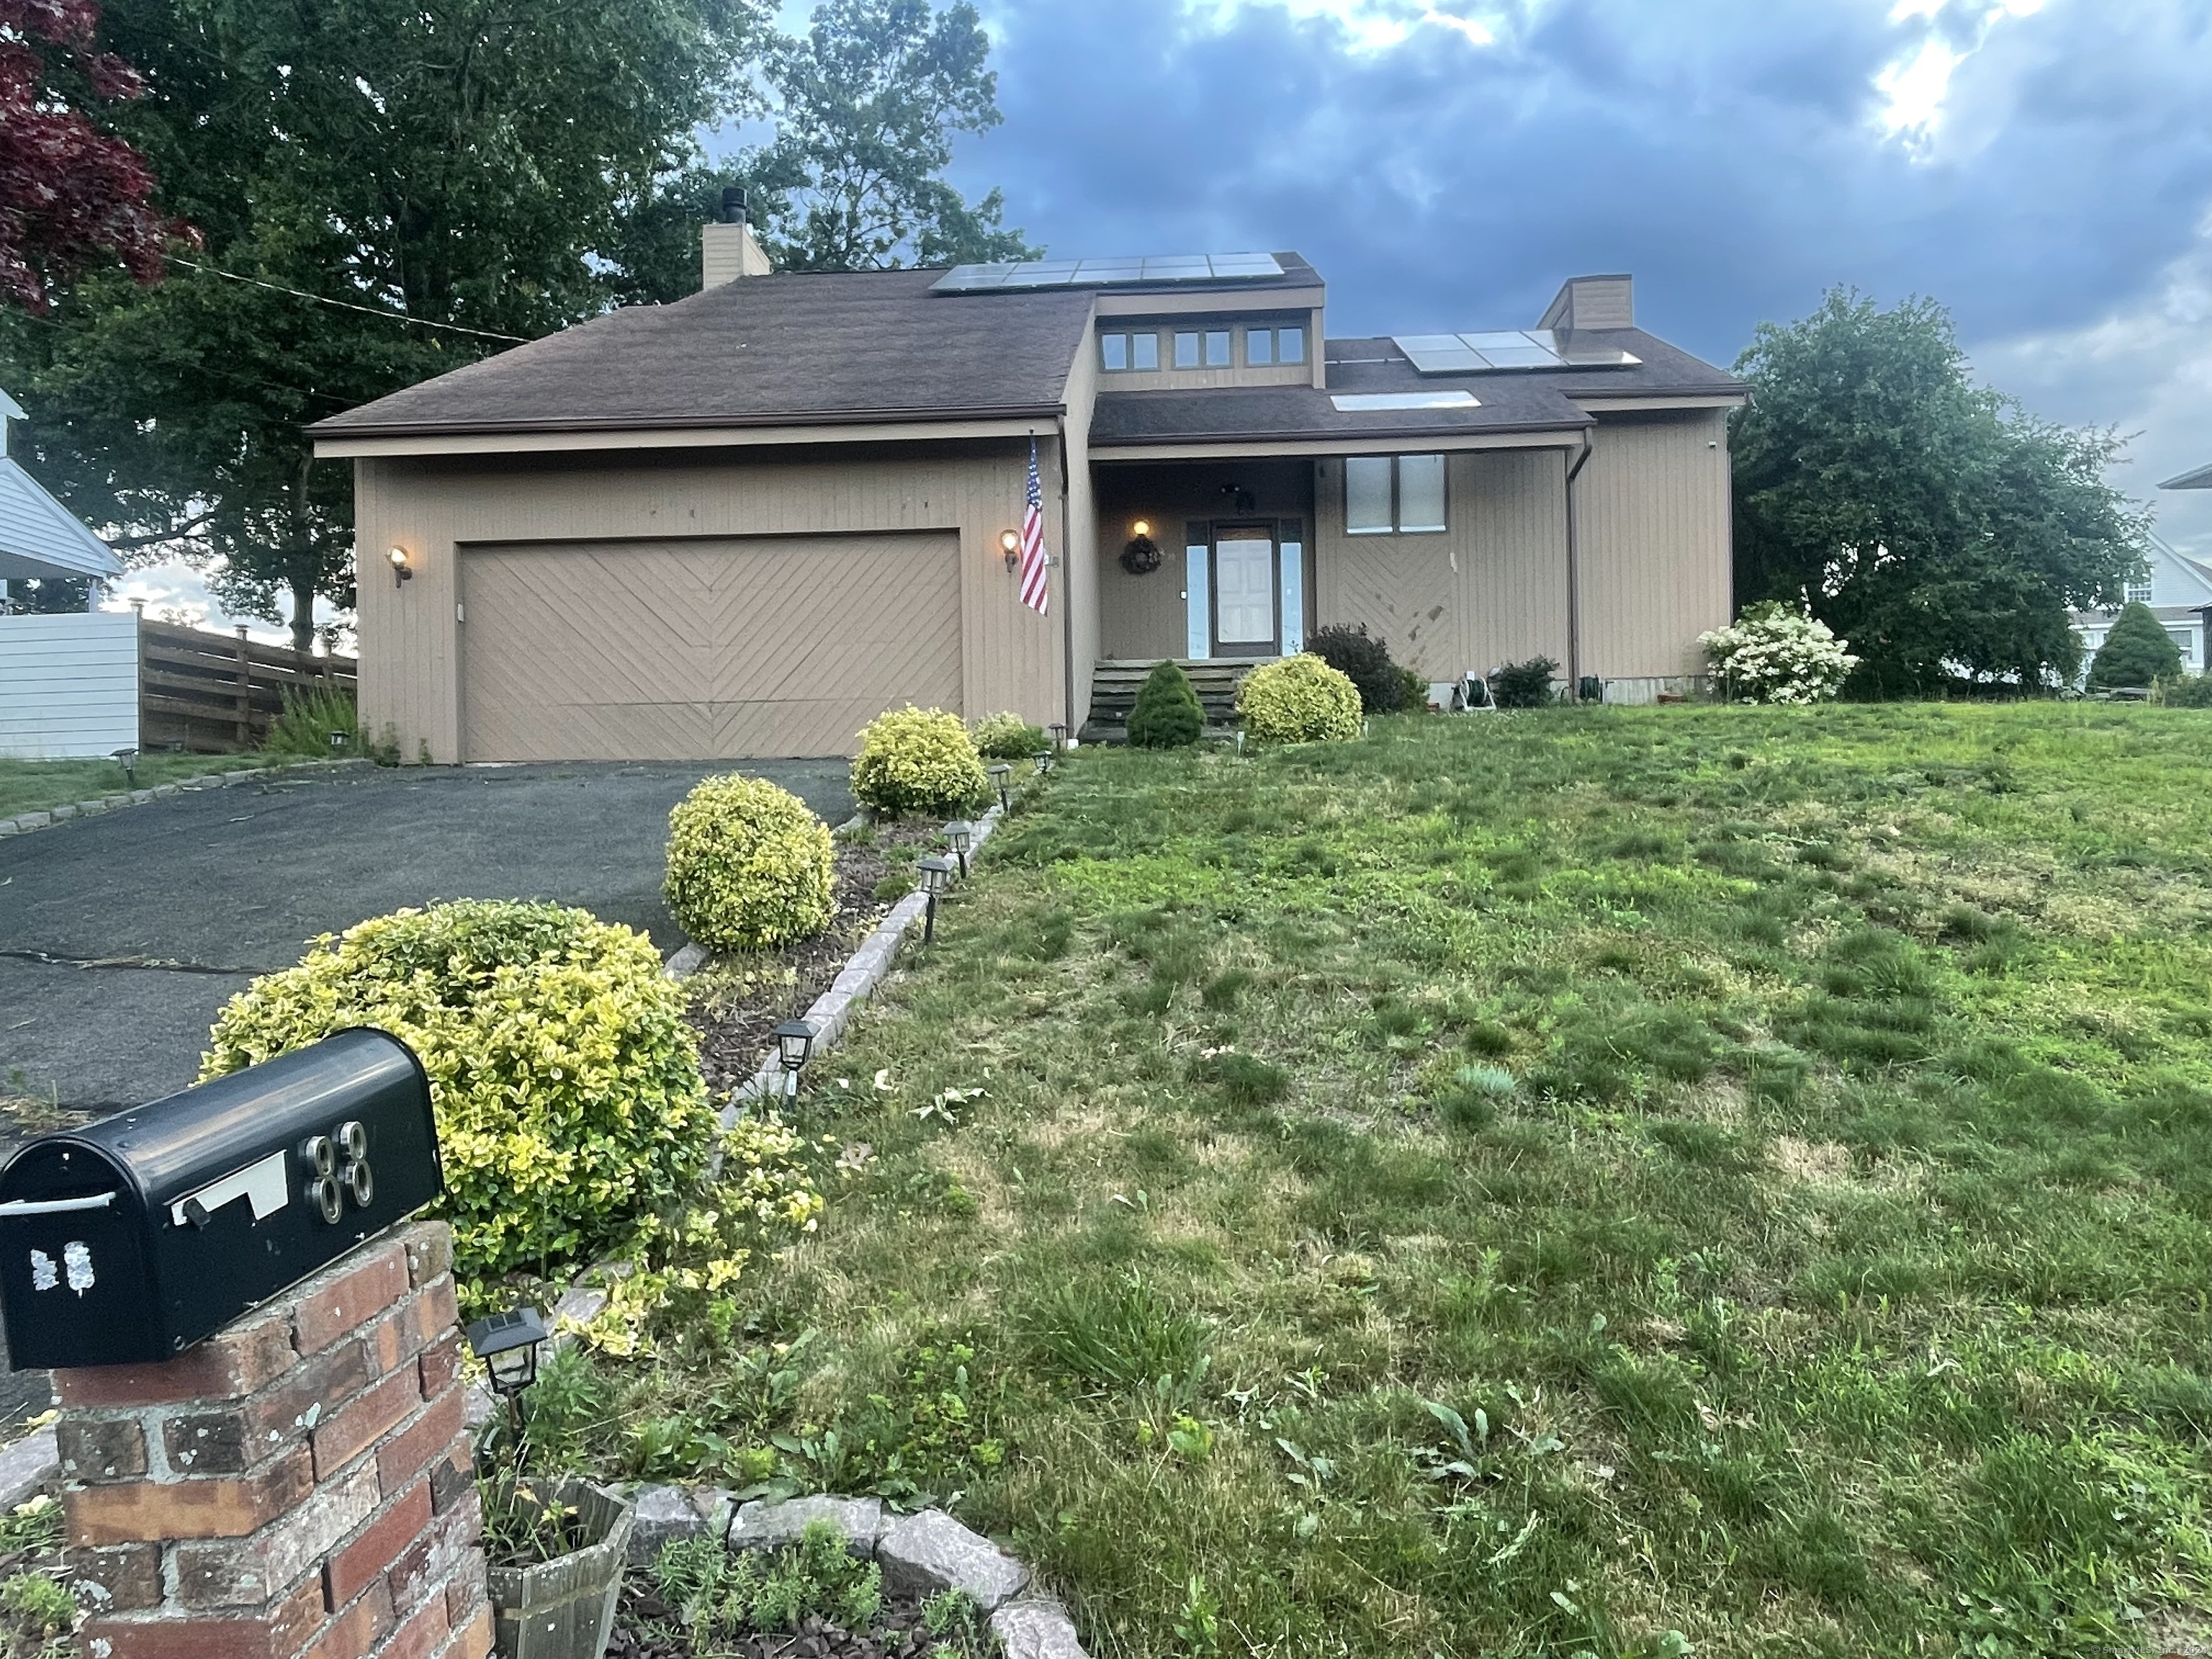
point(1244, 590)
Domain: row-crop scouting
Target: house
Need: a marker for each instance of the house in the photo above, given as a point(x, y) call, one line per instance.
point(742, 524)
point(69, 684)
point(2177, 588)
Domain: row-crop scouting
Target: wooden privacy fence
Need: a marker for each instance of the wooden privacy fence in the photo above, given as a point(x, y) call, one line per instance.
point(213, 695)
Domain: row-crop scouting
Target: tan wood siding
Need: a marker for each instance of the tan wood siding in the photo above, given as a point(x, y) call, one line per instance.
point(1491, 589)
point(1652, 516)
point(1010, 657)
point(716, 649)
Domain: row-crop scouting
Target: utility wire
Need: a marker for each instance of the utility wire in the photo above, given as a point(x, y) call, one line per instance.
point(342, 304)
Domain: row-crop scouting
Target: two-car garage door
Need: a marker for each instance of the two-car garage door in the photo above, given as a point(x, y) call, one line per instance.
point(703, 650)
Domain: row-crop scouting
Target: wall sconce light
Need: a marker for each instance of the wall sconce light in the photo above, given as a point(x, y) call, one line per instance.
point(936, 876)
point(1010, 544)
point(1142, 527)
point(960, 835)
point(403, 567)
point(999, 774)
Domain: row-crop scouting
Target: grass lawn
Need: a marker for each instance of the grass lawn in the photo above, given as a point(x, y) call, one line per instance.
point(1532, 1184)
point(32, 786)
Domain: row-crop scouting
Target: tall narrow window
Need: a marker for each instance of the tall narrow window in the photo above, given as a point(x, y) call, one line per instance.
point(1388, 493)
point(1144, 350)
point(1217, 348)
point(1114, 351)
point(1367, 496)
point(1290, 345)
point(1259, 346)
point(1185, 350)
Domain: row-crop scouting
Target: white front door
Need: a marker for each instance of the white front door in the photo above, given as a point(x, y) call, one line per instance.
point(1244, 592)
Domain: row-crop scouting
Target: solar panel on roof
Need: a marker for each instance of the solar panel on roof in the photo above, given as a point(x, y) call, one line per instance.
point(1108, 273)
point(1501, 350)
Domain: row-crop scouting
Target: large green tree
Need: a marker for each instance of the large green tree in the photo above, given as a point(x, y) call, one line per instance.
point(1935, 524)
point(387, 189)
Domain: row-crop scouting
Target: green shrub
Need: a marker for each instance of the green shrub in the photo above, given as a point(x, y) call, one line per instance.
point(1005, 737)
point(1300, 699)
point(918, 760)
point(2137, 651)
point(1525, 684)
point(565, 1080)
point(1167, 715)
point(1416, 696)
point(749, 867)
point(1364, 660)
point(304, 725)
point(2183, 691)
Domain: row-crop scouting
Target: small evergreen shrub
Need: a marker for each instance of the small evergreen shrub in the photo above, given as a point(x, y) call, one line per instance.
point(1365, 661)
point(1523, 684)
point(749, 866)
point(565, 1080)
point(1168, 715)
point(1416, 689)
point(2138, 651)
point(918, 760)
point(1005, 737)
point(1299, 699)
point(1774, 654)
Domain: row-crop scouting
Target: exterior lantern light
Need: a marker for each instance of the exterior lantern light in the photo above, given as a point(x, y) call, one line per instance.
point(794, 1047)
point(1044, 759)
point(507, 1345)
point(1141, 528)
point(936, 877)
point(403, 566)
point(340, 741)
point(999, 773)
point(1010, 544)
point(960, 835)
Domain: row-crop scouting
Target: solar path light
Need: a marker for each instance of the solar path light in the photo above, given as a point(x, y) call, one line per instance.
point(936, 877)
point(794, 1047)
point(507, 1345)
point(960, 835)
point(1044, 759)
point(999, 773)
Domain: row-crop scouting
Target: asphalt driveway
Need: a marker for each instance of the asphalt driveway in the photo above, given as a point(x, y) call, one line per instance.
point(120, 936)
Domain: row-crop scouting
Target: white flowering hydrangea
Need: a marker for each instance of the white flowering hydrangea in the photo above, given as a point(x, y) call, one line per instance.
point(1774, 654)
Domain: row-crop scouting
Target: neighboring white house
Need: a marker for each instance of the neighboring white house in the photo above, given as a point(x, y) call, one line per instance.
point(2177, 588)
point(69, 684)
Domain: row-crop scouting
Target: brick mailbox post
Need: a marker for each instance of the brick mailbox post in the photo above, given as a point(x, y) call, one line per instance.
point(298, 1486)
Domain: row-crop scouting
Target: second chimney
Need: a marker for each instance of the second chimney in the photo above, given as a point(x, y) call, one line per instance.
point(728, 250)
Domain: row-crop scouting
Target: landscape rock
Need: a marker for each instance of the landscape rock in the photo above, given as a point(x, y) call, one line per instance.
point(1036, 1627)
point(931, 1551)
point(663, 1515)
point(33, 820)
point(60, 813)
point(768, 1526)
point(717, 1506)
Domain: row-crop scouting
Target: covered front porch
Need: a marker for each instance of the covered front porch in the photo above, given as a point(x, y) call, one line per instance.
point(1115, 682)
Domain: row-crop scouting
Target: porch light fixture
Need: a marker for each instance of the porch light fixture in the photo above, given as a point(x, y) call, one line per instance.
point(1142, 527)
point(403, 565)
point(999, 773)
point(960, 835)
point(936, 877)
point(1010, 544)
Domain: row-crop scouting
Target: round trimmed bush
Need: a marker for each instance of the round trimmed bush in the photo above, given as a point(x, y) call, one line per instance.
point(1299, 699)
point(2137, 651)
point(1350, 649)
point(1167, 713)
point(565, 1080)
point(1006, 737)
point(918, 760)
point(749, 866)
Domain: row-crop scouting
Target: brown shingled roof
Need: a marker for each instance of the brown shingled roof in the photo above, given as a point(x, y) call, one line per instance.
point(762, 350)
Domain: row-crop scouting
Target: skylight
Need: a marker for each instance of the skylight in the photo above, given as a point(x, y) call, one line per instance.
point(1148, 268)
point(1505, 350)
point(1354, 403)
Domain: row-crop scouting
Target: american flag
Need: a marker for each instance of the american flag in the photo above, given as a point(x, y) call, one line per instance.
point(1035, 560)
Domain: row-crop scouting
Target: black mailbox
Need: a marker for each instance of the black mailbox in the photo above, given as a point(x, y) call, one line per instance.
point(135, 1239)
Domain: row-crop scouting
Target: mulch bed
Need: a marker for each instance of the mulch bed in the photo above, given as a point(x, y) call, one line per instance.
point(738, 1001)
point(645, 1627)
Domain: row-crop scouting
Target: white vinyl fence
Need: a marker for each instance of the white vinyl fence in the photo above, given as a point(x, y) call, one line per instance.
point(69, 684)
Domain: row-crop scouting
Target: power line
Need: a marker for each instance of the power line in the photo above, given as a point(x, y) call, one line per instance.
point(342, 304)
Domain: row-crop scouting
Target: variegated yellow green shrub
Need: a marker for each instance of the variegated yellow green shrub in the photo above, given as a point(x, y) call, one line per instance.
point(918, 760)
point(749, 866)
point(1300, 699)
point(565, 1079)
point(763, 1197)
point(1005, 737)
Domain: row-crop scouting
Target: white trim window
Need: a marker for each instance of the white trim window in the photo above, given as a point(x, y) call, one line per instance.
point(1394, 495)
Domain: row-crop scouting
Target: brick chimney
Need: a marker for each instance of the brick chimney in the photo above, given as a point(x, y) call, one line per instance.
point(728, 250)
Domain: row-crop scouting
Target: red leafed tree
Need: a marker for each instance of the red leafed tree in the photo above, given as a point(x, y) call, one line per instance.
point(70, 195)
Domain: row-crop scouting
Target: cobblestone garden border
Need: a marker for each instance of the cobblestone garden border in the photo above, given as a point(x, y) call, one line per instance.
point(24, 822)
point(919, 1554)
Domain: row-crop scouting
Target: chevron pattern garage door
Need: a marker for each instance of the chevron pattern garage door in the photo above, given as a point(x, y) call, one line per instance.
point(703, 650)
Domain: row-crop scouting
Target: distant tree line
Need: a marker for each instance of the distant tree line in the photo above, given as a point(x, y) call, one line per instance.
point(1933, 523)
point(439, 179)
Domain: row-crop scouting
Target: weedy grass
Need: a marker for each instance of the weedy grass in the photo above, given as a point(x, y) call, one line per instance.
point(1611, 1182)
point(35, 786)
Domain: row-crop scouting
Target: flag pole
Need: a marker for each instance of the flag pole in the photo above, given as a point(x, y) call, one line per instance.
point(1067, 594)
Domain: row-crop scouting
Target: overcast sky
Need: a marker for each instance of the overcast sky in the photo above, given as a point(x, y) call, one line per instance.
point(2044, 167)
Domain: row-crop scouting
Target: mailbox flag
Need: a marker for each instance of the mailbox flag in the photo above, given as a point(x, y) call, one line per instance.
point(1035, 560)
